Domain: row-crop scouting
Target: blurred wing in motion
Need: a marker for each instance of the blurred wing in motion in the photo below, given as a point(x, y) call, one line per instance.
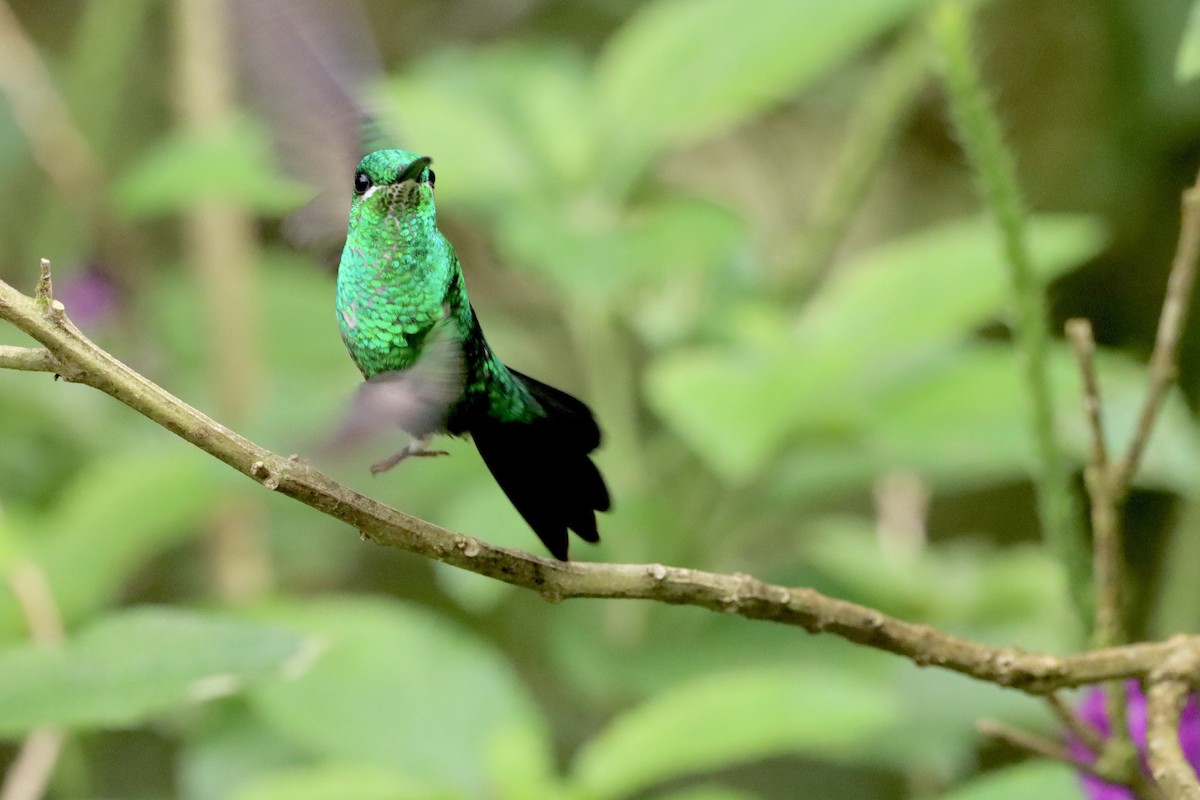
point(414, 400)
point(305, 64)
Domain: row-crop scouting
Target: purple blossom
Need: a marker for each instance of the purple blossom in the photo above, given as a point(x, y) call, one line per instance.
point(90, 296)
point(1091, 710)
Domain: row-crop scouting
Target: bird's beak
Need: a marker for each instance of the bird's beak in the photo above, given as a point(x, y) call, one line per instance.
point(413, 171)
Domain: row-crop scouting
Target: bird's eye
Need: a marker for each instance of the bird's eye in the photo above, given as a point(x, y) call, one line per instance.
point(361, 182)
point(432, 179)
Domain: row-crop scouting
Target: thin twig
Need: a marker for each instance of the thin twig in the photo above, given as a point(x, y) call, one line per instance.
point(1079, 334)
point(79, 360)
point(1026, 740)
point(1107, 547)
point(1057, 751)
point(1164, 361)
point(1108, 562)
point(1075, 724)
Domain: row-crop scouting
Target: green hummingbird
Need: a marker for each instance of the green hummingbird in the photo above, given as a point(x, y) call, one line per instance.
point(405, 318)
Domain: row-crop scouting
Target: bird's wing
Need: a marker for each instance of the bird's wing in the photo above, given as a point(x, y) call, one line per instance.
point(308, 66)
point(416, 399)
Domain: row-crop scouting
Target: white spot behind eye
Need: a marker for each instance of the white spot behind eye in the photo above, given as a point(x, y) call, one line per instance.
point(370, 191)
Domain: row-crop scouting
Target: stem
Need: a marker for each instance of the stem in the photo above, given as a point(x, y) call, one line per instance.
point(888, 98)
point(1075, 724)
point(993, 167)
point(221, 245)
point(1107, 545)
point(31, 769)
point(1164, 360)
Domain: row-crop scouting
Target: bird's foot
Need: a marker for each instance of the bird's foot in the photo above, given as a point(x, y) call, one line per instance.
point(415, 449)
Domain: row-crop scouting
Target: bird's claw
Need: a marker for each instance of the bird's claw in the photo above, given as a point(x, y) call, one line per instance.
point(391, 461)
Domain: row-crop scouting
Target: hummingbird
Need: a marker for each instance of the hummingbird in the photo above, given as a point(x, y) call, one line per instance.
point(405, 318)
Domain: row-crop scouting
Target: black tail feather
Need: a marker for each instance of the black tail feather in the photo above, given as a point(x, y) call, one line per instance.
point(544, 468)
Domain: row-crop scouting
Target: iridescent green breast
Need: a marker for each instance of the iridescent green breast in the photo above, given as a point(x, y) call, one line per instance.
point(392, 286)
point(398, 277)
point(384, 314)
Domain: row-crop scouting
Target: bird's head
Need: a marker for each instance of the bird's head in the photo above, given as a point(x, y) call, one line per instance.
point(393, 182)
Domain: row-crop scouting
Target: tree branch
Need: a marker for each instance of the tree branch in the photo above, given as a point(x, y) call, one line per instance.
point(76, 359)
point(1166, 695)
point(1108, 482)
point(29, 359)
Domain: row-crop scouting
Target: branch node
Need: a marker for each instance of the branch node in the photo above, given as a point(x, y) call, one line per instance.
point(44, 294)
point(263, 474)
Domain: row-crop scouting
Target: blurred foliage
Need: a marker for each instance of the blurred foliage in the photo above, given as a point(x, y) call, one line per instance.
point(628, 186)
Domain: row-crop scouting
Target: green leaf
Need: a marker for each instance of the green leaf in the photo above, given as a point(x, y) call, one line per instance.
point(1033, 779)
point(961, 584)
point(683, 70)
point(888, 318)
point(964, 421)
point(701, 395)
point(935, 285)
point(337, 780)
point(135, 664)
point(521, 764)
point(606, 252)
point(102, 527)
point(399, 688)
point(729, 719)
point(230, 164)
point(510, 123)
point(1187, 58)
point(709, 793)
point(225, 748)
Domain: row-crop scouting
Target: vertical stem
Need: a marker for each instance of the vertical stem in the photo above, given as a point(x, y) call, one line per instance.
point(890, 94)
point(1108, 563)
point(995, 173)
point(33, 767)
point(59, 148)
point(223, 249)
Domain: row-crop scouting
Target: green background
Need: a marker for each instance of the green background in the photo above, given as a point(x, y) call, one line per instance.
point(656, 209)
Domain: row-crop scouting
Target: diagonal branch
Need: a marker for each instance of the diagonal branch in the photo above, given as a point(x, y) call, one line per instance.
point(69, 354)
point(1164, 360)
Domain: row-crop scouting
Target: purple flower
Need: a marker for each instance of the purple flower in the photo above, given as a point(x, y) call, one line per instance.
point(1091, 710)
point(90, 296)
